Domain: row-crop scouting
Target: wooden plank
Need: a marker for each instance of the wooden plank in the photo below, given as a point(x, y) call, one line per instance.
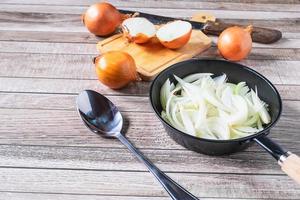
point(289, 92)
point(290, 35)
point(124, 103)
point(144, 184)
point(247, 162)
point(41, 22)
point(49, 48)
point(57, 23)
point(49, 196)
point(81, 67)
point(287, 49)
point(37, 36)
point(219, 13)
point(229, 5)
point(62, 21)
point(257, 53)
point(279, 72)
point(227, 14)
point(48, 66)
point(69, 86)
point(149, 2)
point(67, 102)
point(64, 128)
point(39, 196)
point(77, 37)
point(277, 48)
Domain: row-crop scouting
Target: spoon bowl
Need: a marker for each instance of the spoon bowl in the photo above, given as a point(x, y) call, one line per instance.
point(102, 117)
point(99, 113)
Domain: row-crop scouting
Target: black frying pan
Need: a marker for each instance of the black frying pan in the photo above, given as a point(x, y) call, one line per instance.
point(236, 73)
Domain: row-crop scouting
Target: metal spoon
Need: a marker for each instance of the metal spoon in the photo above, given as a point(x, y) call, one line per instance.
point(102, 117)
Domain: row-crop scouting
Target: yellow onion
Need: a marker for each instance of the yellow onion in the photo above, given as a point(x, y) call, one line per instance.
point(115, 69)
point(102, 19)
point(235, 43)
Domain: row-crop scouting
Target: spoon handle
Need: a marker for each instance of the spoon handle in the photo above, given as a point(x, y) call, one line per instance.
point(174, 189)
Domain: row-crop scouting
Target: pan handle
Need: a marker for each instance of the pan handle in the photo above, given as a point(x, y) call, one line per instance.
point(289, 162)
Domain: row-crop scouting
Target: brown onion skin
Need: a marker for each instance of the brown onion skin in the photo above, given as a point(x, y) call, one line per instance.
point(102, 19)
point(235, 43)
point(140, 38)
point(116, 69)
point(178, 42)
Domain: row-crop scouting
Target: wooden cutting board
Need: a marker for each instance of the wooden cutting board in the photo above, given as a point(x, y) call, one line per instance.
point(151, 58)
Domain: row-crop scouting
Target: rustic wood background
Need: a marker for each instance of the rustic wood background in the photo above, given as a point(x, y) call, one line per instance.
point(46, 152)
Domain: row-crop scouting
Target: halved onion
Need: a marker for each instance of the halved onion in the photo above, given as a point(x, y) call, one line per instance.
point(138, 29)
point(175, 34)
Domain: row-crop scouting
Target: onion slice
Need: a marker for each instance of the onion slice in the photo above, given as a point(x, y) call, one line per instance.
point(212, 108)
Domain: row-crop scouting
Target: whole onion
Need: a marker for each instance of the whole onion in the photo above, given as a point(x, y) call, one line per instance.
point(235, 43)
point(102, 19)
point(116, 69)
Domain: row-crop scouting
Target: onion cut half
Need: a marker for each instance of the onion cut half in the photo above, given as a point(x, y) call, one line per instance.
point(138, 29)
point(174, 35)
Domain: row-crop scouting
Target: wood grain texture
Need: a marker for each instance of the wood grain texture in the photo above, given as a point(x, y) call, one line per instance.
point(46, 152)
point(72, 86)
point(66, 18)
point(291, 166)
point(60, 65)
point(76, 48)
point(67, 102)
point(72, 37)
point(81, 67)
point(208, 4)
point(64, 128)
point(144, 184)
point(274, 51)
point(51, 196)
point(120, 159)
point(219, 13)
point(39, 196)
point(132, 2)
point(53, 22)
point(49, 36)
point(40, 101)
point(68, 86)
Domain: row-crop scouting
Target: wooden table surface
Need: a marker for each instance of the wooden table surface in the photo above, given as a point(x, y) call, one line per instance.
point(47, 153)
